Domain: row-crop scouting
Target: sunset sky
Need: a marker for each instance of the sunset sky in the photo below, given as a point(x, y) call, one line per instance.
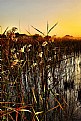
point(37, 12)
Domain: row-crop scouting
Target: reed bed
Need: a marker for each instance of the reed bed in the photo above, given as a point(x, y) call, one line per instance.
point(31, 87)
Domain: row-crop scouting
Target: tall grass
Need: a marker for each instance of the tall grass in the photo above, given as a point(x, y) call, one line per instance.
point(30, 90)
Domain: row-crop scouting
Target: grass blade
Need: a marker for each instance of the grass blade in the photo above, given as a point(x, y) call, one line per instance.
point(52, 28)
point(38, 30)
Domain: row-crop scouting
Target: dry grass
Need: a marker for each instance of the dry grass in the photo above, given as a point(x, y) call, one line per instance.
point(28, 91)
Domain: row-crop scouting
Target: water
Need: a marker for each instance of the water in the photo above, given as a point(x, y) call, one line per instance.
point(68, 74)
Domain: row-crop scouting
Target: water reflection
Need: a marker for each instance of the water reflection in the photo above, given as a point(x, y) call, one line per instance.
point(69, 75)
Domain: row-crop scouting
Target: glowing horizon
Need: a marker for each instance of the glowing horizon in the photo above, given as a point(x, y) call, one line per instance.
point(24, 13)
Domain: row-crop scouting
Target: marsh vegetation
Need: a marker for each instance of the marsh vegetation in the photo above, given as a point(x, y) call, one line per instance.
point(40, 79)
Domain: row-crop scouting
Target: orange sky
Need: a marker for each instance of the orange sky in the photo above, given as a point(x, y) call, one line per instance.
point(37, 12)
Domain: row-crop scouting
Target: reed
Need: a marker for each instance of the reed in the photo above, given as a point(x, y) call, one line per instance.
point(31, 86)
